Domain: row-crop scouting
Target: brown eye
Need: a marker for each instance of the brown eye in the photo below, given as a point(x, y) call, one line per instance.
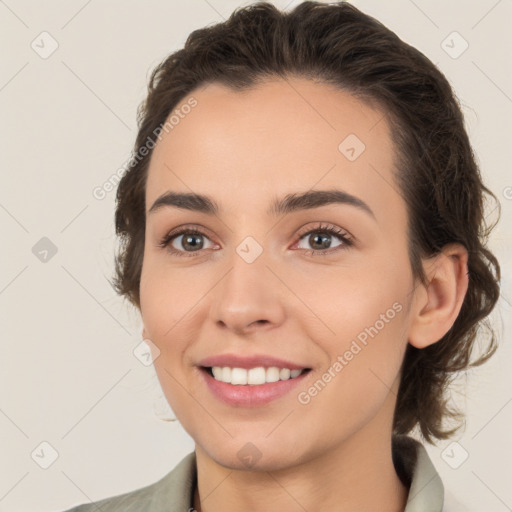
point(320, 240)
point(192, 241)
point(185, 242)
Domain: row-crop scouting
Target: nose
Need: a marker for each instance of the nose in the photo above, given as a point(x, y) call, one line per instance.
point(248, 298)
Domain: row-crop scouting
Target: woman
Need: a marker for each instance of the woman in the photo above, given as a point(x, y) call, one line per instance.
point(302, 231)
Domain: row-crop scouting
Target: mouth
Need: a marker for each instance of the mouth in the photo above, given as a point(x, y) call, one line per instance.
point(256, 376)
point(251, 387)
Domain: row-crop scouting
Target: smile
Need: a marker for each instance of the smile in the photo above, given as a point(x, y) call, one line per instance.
point(251, 387)
point(252, 376)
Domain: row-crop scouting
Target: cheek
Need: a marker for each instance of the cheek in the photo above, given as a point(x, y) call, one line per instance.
point(361, 375)
point(351, 301)
point(165, 306)
point(168, 295)
point(366, 314)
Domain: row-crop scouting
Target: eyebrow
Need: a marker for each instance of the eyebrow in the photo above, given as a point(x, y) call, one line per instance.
point(288, 204)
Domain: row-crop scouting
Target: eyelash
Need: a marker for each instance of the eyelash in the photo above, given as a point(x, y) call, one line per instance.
point(328, 229)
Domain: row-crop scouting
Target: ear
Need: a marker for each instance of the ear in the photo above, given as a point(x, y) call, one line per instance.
point(436, 306)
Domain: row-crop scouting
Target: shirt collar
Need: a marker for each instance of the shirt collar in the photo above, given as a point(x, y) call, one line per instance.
point(413, 464)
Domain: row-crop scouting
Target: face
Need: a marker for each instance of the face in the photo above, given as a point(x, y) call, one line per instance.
point(270, 281)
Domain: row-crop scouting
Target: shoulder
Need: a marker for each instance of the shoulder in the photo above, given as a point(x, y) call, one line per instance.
point(138, 499)
point(173, 492)
point(453, 503)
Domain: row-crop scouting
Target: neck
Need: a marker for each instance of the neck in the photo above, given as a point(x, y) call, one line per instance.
point(357, 476)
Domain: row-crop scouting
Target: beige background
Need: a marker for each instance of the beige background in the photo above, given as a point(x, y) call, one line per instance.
point(68, 374)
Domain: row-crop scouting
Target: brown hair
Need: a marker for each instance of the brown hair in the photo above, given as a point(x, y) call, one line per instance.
point(436, 170)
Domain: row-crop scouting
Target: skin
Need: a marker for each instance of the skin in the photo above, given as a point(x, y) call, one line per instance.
point(243, 150)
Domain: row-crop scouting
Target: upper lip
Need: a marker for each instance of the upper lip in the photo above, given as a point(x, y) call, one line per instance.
point(247, 362)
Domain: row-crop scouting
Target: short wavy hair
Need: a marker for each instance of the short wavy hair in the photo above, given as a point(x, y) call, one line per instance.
point(436, 171)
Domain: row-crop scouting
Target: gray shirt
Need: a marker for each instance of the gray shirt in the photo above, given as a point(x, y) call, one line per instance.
point(175, 491)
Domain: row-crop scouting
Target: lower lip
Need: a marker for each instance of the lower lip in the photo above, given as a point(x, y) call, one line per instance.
point(250, 396)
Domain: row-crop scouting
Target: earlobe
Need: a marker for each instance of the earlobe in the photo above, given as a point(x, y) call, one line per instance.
point(437, 305)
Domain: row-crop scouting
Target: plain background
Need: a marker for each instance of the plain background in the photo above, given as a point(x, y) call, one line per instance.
point(68, 373)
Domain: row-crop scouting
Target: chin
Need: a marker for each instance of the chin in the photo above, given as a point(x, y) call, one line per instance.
point(259, 455)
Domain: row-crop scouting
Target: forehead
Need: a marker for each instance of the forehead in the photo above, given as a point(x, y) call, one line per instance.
point(282, 135)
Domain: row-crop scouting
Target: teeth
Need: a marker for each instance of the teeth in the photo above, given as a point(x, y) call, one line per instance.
point(272, 374)
point(238, 376)
point(254, 376)
point(284, 373)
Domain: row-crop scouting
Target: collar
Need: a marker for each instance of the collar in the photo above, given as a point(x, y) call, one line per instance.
point(414, 467)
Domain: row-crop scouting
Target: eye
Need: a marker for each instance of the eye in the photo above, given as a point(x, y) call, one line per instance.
point(190, 241)
point(184, 242)
point(320, 238)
